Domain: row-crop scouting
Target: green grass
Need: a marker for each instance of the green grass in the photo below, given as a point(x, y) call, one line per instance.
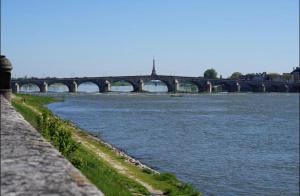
point(35, 101)
point(98, 171)
point(26, 113)
point(105, 177)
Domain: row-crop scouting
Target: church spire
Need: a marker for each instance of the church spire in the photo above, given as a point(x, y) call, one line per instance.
point(153, 68)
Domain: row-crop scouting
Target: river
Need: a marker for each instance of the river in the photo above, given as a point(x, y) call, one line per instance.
point(223, 144)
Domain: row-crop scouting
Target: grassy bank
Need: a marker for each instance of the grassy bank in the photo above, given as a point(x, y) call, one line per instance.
point(110, 171)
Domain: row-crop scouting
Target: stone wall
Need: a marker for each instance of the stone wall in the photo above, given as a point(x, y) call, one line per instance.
point(32, 166)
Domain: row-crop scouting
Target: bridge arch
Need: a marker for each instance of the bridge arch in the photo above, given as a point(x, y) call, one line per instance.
point(273, 88)
point(232, 86)
point(259, 87)
point(221, 87)
point(122, 85)
point(88, 86)
point(29, 87)
point(59, 87)
point(280, 88)
point(244, 87)
point(190, 87)
point(204, 86)
point(156, 86)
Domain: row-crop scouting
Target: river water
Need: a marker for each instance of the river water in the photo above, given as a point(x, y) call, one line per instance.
point(223, 144)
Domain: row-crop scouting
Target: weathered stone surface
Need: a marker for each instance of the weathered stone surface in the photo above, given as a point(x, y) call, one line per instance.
point(32, 166)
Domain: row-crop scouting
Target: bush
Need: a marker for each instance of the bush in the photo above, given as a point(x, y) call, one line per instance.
point(77, 162)
point(54, 130)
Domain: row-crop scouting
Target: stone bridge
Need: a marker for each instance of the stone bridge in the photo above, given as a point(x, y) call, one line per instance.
point(172, 83)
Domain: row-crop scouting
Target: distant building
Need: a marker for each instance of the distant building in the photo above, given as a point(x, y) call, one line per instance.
point(254, 76)
point(295, 74)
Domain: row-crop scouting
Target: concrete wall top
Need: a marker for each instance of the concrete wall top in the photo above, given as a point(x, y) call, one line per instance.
point(32, 166)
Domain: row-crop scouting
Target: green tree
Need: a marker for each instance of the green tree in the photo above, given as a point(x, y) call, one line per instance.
point(235, 75)
point(210, 73)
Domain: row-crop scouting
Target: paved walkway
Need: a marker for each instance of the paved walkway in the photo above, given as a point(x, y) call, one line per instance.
point(31, 166)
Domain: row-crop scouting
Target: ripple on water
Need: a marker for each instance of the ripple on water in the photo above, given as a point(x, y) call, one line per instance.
point(232, 144)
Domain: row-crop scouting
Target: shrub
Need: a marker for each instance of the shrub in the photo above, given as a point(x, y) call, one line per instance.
point(54, 130)
point(77, 162)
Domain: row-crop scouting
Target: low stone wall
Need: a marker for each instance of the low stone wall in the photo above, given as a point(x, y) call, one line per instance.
point(32, 166)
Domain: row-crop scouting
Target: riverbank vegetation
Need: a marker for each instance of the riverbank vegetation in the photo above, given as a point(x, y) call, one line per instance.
point(121, 83)
point(111, 172)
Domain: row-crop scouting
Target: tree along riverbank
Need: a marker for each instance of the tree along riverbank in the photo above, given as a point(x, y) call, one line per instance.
point(110, 169)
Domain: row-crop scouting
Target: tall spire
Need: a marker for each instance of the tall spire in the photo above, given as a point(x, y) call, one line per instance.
point(153, 68)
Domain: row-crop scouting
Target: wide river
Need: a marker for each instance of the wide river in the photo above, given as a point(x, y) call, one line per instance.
point(223, 144)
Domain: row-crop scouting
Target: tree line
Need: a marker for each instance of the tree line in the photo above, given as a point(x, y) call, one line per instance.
point(212, 74)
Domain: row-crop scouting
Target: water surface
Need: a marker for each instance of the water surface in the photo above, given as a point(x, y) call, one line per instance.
point(223, 144)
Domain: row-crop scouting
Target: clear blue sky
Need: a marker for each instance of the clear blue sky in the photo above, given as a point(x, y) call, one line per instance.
point(66, 38)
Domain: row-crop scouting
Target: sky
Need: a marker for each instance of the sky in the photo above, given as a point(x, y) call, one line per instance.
point(68, 38)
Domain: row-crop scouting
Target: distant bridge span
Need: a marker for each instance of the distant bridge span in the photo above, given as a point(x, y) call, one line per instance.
point(172, 83)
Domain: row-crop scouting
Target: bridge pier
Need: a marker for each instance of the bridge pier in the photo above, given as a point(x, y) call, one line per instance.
point(44, 87)
point(73, 87)
point(140, 86)
point(286, 88)
point(105, 87)
point(258, 88)
point(174, 87)
point(208, 87)
point(237, 88)
point(263, 88)
point(15, 88)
